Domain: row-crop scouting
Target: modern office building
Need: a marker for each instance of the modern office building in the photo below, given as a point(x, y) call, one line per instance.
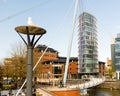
point(115, 55)
point(87, 45)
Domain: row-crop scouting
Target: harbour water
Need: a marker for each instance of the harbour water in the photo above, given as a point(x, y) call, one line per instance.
point(104, 92)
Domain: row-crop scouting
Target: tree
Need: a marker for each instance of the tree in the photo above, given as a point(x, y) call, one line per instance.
point(17, 64)
point(1, 72)
point(111, 70)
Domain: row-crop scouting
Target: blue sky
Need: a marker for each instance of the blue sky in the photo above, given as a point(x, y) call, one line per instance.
point(56, 17)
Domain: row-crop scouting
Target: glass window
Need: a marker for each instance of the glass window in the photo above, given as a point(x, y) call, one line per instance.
point(57, 70)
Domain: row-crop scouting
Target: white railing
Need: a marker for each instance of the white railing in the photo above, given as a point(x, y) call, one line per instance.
point(93, 82)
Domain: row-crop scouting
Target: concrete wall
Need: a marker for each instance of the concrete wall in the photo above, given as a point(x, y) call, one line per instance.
point(110, 85)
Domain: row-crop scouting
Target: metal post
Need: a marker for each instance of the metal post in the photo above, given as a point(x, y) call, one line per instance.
point(33, 71)
point(30, 31)
point(70, 43)
point(29, 70)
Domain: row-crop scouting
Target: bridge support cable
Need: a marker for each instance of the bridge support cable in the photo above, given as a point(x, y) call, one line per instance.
point(33, 70)
point(70, 43)
point(23, 11)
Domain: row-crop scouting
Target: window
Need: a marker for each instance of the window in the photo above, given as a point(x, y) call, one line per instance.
point(57, 70)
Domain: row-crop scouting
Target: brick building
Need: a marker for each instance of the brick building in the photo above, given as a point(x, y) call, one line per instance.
point(101, 68)
point(50, 54)
point(52, 66)
point(108, 65)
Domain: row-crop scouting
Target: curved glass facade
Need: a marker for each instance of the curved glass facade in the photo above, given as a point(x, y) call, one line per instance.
point(117, 53)
point(87, 44)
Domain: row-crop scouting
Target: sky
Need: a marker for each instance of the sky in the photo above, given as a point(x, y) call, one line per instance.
point(56, 16)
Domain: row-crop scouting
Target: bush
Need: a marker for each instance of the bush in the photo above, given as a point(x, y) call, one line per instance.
point(6, 87)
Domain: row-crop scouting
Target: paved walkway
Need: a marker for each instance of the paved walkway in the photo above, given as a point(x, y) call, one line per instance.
point(93, 82)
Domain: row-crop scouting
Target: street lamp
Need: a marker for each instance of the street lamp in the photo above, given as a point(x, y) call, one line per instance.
point(30, 32)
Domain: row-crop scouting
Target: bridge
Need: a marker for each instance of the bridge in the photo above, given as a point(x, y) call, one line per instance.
point(91, 83)
point(81, 86)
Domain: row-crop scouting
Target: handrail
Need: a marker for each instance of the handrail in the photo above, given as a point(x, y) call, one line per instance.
point(93, 82)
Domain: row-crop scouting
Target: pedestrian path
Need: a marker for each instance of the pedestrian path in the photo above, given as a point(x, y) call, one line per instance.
point(93, 82)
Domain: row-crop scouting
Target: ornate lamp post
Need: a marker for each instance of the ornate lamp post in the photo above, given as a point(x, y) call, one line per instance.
point(31, 32)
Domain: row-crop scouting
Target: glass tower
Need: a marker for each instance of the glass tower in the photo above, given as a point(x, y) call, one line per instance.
point(115, 55)
point(87, 45)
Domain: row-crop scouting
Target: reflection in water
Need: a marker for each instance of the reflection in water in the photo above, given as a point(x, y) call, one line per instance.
point(103, 92)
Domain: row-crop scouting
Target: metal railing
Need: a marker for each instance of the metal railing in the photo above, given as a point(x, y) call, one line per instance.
point(93, 82)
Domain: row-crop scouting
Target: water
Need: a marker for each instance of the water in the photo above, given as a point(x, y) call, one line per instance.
point(104, 92)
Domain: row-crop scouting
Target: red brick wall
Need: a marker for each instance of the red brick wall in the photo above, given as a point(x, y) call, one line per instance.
point(67, 93)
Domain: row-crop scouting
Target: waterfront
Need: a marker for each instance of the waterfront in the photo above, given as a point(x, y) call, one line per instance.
point(104, 92)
